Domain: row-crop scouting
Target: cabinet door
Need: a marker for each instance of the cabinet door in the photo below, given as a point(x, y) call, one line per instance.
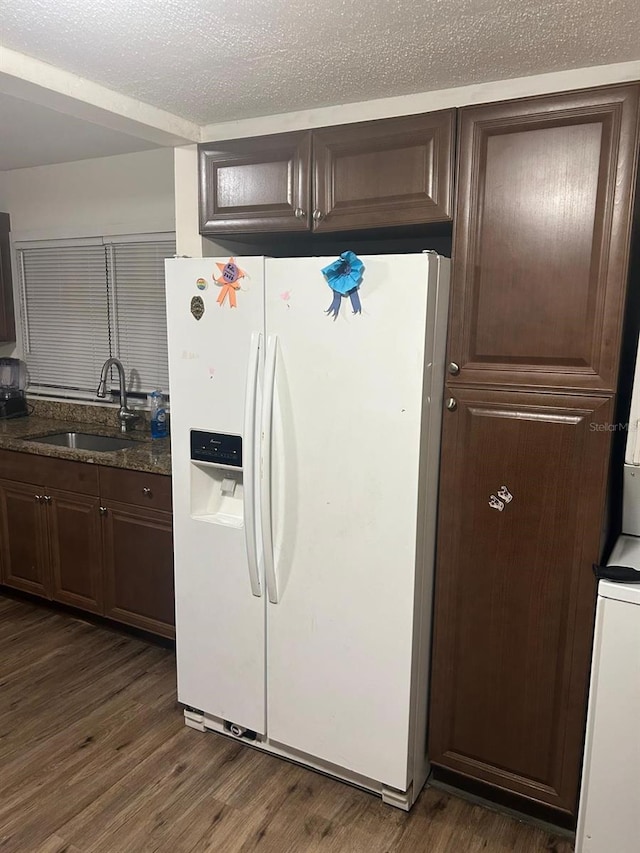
point(395, 171)
point(7, 323)
point(543, 221)
point(24, 546)
point(515, 591)
point(75, 543)
point(138, 561)
point(255, 185)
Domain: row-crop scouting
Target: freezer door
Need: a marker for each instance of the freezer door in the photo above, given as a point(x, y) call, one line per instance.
point(220, 605)
point(346, 436)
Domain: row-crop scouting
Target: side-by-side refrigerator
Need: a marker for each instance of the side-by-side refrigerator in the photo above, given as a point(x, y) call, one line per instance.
point(305, 448)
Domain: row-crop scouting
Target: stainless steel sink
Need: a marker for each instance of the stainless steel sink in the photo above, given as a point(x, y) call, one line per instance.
point(86, 441)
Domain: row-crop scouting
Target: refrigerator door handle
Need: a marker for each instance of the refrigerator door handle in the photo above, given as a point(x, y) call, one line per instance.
point(249, 474)
point(265, 480)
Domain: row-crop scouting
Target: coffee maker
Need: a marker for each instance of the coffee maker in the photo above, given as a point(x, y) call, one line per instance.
point(13, 380)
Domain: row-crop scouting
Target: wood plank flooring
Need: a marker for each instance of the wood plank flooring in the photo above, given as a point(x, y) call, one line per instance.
point(95, 758)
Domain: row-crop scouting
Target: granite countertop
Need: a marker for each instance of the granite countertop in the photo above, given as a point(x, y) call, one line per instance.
point(150, 455)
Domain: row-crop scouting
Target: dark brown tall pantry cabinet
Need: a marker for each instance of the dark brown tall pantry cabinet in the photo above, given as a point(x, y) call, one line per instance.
point(7, 320)
point(541, 249)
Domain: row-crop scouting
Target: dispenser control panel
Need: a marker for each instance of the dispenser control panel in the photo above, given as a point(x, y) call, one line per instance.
point(216, 448)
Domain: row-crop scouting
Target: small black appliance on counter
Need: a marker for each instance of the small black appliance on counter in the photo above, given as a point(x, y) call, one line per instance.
point(13, 402)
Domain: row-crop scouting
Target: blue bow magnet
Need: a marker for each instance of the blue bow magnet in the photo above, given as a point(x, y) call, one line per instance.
point(344, 277)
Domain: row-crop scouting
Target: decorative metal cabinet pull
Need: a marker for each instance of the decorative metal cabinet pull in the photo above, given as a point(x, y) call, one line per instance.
point(505, 495)
point(454, 369)
point(500, 500)
point(451, 404)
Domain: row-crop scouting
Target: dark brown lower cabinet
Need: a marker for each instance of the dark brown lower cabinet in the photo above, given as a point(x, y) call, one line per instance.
point(24, 546)
point(62, 541)
point(138, 549)
point(75, 549)
point(521, 496)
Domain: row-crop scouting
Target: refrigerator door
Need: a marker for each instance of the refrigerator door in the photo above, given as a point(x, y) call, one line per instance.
point(214, 363)
point(345, 458)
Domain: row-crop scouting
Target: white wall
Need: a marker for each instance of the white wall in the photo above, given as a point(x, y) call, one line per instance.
point(126, 194)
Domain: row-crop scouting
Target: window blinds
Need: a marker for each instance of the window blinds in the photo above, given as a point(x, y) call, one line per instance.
point(65, 316)
point(139, 337)
point(84, 302)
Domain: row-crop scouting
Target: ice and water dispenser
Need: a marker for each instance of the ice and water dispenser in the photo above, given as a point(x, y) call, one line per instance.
point(216, 478)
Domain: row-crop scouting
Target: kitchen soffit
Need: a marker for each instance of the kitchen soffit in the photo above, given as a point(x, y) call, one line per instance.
point(217, 60)
point(32, 135)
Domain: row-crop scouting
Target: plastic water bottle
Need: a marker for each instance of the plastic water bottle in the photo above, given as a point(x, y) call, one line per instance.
point(158, 414)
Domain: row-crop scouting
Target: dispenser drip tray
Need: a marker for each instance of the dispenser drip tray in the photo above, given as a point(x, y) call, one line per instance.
point(216, 495)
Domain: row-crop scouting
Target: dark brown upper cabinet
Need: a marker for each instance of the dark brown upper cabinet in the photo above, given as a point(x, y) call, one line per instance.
point(395, 171)
point(515, 591)
point(256, 185)
point(374, 174)
point(543, 220)
point(7, 321)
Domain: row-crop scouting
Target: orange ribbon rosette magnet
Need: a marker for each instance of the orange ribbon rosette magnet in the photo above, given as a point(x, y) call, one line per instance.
point(229, 281)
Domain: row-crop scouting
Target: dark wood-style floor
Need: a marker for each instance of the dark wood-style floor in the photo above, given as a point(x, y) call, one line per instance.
point(95, 758)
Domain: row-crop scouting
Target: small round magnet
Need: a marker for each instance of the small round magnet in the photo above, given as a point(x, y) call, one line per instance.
point(201, 284)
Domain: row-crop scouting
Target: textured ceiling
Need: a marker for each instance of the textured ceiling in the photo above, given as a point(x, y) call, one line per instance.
point(216, 60)
point(32, 135)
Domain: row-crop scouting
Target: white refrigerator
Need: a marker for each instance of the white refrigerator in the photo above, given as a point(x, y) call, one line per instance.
point(305, 453)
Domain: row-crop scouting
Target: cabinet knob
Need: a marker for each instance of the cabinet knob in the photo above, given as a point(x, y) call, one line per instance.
point(146, 491)
point(451, 404)
point(299, 213)
point(317, 215)
point(38, 498)
point(47, 499)
point(103, 510)
point(454, 369)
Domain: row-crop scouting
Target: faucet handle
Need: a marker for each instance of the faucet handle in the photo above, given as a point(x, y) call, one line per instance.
point(127, 418)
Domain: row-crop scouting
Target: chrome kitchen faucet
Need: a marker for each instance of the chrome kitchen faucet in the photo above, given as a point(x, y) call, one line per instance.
point(126, 416)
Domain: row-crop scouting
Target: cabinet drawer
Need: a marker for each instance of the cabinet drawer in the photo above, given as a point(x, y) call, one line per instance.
point(136, 487)
point(68, 476)
point(61, 474)
point(21, 467)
